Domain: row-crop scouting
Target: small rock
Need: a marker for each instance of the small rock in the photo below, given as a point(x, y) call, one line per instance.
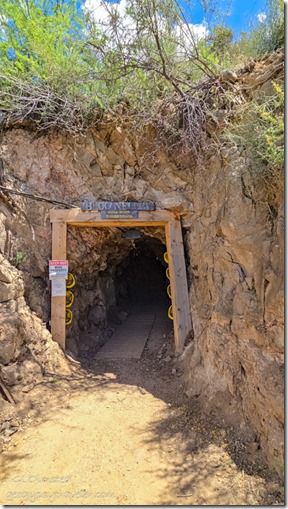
point(14, 423)
point(174, 371)
point(228, 75)
point(251, 499)
point(9, 431)
point(252, 448)
point(6, 440)
point(168, 358)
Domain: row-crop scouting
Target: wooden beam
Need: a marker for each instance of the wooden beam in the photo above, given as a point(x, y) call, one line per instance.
point(58, 304)
point(179, 288)
point(77, 216)
point(113, 223)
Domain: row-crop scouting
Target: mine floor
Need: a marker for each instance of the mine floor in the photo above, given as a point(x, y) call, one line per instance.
point(129, 340)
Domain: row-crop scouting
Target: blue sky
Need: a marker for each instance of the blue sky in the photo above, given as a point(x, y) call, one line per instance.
point(241, 12)
point(238, 14)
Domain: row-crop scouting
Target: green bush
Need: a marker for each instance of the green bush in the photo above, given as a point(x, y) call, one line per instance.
point(269, 35)
point(269, 130)
point(20, 257)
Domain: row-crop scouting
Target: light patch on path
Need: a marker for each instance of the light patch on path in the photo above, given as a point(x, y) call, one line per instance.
point(99, 450)
point(121, 432)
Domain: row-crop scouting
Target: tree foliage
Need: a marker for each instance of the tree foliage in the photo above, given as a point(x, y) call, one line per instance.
point(269, 35)
point(269, 130)
point(59, 61)
point(221, 39)
point(41, 43)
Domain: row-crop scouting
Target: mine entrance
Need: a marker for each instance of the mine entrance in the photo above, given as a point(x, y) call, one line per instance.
point(169, 221)
point(141, 298)
point(140, 279)
point(121, 282)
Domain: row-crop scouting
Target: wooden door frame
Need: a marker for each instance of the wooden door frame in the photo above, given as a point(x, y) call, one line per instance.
point(170, 221)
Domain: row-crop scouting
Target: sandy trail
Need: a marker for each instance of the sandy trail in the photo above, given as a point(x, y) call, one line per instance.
point(121, 433)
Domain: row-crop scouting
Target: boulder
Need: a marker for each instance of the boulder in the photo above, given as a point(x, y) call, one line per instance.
point(11, 283)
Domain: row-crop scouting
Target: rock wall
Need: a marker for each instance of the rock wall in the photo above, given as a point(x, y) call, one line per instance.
point(237, 292)
point(234, 252)
point(23, 336)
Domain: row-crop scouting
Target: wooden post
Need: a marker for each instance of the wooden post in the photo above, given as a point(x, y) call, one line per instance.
point(58, 304)
point(178, 279)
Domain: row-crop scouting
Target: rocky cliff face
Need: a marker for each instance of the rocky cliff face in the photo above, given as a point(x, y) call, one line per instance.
point(23, 337)
point(234, 255)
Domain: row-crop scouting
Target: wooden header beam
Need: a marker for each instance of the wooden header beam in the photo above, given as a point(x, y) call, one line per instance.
point(76, 216)
point(170, 221)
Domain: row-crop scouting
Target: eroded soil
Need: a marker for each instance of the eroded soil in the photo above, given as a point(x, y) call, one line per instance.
point(124, 433)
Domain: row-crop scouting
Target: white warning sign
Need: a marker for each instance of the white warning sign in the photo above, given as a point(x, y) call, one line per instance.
point(58, 287)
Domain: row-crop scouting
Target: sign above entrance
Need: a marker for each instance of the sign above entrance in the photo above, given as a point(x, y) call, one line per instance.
point(118, 214)
point(109, 209)
point(58, 268)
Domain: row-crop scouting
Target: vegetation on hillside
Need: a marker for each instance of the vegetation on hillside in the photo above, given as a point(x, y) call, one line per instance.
point(66, 53)
point(62, 66)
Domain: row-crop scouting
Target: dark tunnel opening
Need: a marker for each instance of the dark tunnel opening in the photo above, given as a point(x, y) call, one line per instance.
point(140, 279)
point(130, 277)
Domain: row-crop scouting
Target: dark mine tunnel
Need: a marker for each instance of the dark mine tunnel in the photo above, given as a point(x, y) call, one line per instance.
point(130, 278)
point(140, 278)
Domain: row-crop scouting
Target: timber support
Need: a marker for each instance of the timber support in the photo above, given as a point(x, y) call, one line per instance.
point(170, 221)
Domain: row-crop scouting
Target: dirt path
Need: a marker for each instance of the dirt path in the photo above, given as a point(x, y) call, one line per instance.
point(121, 433)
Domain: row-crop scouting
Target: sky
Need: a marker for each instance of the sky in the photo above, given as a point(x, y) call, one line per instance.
point(241, 13)
point(237, 14)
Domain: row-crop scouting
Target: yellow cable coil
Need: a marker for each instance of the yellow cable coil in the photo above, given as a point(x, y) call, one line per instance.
point(169, 291)
point(69, 299)
point(170, 313)
point(70, 281)
point(69, 316)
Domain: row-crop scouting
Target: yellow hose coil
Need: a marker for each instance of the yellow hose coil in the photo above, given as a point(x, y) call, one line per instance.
point(69, 316)
point(69, 299)
point(169, 291)
point(70, 281)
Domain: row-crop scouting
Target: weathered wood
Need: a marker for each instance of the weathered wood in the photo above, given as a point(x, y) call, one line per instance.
point(58, 304)
point(115, 224)
point(77, 216)
point(179, 287)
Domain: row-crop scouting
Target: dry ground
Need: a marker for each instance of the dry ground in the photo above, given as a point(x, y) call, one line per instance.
point(124, 433)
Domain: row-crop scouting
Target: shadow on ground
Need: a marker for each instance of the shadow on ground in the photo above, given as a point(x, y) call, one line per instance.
point(204, 461)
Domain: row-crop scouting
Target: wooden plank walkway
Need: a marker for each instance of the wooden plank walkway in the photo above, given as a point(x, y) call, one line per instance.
point(129, 340)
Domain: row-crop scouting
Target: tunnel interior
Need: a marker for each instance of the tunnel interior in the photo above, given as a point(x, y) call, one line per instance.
point(140, 278)
point(115, 276)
